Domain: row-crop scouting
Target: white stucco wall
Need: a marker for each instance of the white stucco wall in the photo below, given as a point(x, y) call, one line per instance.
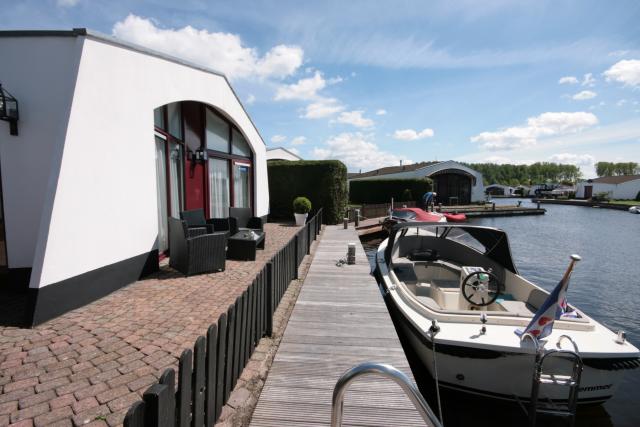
point(626, 190)
point(102, 205)
point(41, 75)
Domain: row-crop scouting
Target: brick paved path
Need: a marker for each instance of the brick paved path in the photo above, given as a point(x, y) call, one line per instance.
point(88, 366)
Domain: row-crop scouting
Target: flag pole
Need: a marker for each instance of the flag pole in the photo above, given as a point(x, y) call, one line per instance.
point(574, 258)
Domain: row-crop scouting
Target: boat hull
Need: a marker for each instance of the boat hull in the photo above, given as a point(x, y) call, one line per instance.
point(498, 375)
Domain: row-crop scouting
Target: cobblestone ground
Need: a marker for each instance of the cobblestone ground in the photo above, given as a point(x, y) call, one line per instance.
point(88, 366)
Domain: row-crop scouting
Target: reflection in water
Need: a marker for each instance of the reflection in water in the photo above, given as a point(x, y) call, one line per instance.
point(606, 285)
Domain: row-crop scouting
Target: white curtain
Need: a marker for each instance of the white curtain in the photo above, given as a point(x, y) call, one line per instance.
point(161, 181)
point(175, 178)
point(218, 187)
point(241, 185)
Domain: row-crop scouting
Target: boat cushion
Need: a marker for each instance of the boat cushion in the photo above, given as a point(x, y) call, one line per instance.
point(429, 302)
point(519, 308)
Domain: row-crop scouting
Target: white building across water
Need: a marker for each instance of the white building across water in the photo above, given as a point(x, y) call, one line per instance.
point(623, 187)
point(112, 140)
point(454, 182)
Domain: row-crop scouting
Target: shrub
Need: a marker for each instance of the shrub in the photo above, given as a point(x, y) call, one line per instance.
point(638, 196)
point(323, 182)
point(382, 190)
point(406, 195)
point(301, 205)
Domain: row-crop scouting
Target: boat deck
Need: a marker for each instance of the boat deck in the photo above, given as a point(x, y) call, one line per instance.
point(339, 321)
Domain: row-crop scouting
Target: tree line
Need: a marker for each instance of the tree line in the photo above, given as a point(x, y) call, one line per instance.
point(536, 173)
point(612, 169)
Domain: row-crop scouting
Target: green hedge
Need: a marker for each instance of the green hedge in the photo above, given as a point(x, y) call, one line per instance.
point(323, 182)
point(382, 190)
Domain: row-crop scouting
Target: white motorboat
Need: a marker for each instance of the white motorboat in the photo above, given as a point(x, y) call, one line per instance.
point(463, 278)
point(634, 209)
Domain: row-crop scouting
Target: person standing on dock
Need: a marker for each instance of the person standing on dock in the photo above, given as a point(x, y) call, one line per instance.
point(429, 198)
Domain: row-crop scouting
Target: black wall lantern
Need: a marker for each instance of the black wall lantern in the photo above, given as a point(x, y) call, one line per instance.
point(9, 110)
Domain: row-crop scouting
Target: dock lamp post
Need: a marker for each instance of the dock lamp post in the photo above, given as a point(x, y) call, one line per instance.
point(9, 110)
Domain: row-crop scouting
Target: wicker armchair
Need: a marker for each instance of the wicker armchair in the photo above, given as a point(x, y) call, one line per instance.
point(242, 219)
point(195, 219)
point(194, 251)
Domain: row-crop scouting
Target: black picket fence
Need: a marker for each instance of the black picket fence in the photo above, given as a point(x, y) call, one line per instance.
point(208, 373)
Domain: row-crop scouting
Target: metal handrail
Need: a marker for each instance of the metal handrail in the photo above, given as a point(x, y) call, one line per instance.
point(387, 371)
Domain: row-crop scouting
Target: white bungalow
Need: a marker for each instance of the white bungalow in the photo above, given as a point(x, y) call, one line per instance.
point(280, 153)
point(455, 183)
point(624, 187)
point(112, 139)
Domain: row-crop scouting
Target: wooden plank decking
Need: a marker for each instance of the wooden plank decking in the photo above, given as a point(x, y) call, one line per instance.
point(340, 320)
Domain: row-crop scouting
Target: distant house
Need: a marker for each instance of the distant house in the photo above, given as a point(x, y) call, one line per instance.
point(280, 153)
point(616, 187)
point(454, 182)
point(499, 190)
point(113, 139)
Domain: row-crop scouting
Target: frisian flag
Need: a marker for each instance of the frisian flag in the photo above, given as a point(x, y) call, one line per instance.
point(552, 309)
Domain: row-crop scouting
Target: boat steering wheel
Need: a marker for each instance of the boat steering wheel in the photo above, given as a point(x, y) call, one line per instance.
point(481, 288)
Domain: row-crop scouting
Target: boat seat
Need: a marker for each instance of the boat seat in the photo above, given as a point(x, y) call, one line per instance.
point(446, 283)
point(519, 308)
point(429, 302)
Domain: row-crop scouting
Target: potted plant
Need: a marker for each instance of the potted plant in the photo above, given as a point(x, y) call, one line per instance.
point(301, 208)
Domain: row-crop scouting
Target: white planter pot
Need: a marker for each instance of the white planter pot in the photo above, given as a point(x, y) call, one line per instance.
point(301, 219)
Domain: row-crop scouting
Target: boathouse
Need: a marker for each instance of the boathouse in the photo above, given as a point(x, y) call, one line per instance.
point(625, 187)
point(499, 190)
point(454, 182)
point(112, 139)
point(280, 153)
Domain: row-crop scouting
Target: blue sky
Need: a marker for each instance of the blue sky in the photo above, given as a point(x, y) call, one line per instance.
point(372, 83)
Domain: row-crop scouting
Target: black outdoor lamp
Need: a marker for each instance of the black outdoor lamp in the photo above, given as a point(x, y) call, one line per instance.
point(9, 110)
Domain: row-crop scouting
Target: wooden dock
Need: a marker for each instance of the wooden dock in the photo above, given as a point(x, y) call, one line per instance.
point(339, 321)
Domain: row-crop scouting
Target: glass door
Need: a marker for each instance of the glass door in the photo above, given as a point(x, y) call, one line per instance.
point(241, 185)
point(176, 180)
point(161, 183)
point(218, 187)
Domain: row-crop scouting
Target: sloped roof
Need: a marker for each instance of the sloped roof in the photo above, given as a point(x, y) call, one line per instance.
point(619, 179)
point(391, 169)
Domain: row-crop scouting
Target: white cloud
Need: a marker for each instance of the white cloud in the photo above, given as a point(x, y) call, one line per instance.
point(381, 112)
point(357, 151)
point(294, 151)
point(568, 80)
point(277, 139)
point(298, 140)
point(304, 89)
point(67, 3)
point(221, 51)
point(325, 107)
point(585, 94)
point(626, 72)
point(573, 159)
point(250, 99)
point(500, 160)
point(545, 125)
point(412, 135)
point(355, 118)
point(588, 80)
point(621, 102)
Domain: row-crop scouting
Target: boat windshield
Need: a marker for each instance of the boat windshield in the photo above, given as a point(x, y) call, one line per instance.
point(488, 241)
point(463, 237)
